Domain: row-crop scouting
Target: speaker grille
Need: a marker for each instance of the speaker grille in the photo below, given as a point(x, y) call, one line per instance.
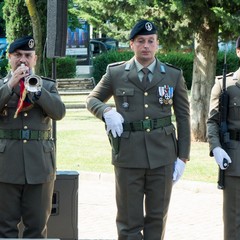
point(56, 28)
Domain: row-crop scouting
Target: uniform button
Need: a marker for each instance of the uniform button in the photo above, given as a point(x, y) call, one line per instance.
point(25, 127)
point(146, 105)
point(148, 130)
point(25, 114)
point(146, 93)
point(24, 141)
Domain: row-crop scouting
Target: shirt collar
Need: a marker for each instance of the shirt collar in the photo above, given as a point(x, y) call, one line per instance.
point(150, 67)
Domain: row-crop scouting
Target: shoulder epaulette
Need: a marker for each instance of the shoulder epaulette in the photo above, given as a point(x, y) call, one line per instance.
point(116, 64)
point(48, 79)
point(170, 65)
point(227, 75)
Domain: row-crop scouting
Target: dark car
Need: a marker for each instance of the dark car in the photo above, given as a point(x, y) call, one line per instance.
point(3, 47)
point(97, 47)
point(111, 43)
point(100, 45)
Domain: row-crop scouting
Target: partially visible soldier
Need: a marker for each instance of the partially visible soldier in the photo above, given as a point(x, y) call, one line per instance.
point(148, 154)
point(27, 150)
point(231, 191)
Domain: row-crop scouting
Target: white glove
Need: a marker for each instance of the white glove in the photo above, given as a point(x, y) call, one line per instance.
point(220, 155)
point(114, 121)
point(179, 168)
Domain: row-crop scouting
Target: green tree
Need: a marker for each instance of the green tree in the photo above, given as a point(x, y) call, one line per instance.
point(180, 22)
point(2, 23)
point(22, 18)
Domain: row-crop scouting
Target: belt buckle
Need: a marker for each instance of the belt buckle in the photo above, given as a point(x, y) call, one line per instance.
point(147, 124)
point(25, 134)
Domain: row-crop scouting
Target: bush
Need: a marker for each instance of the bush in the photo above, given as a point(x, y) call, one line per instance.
point(65, 67)
point(3, 67)
point(178, 59)
point(232, 62)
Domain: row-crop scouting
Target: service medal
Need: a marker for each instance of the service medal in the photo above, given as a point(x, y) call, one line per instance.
point(161, 94)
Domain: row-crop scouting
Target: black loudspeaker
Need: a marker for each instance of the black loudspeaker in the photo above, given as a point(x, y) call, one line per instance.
point(63, 222)
point(56, 28)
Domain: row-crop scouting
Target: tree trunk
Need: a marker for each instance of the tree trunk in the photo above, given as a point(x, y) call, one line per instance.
point(37, 32)
point(204, 70)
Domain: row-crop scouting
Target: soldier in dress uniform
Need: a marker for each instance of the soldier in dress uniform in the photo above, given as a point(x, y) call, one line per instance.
point(231, 191)
point(27, 150)
point(148, 153)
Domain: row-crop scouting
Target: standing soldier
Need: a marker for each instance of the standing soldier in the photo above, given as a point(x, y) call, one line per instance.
point(231, 153)
point(147, 155)
point(27, 151)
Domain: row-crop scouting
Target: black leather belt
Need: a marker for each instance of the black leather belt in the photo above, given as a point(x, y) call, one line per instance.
point(147, 124)
point(24, 134)
point(234, 135)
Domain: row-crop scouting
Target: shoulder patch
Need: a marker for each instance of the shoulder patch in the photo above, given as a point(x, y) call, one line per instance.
point(48, 79)
point(170, 65)
point(116, 64)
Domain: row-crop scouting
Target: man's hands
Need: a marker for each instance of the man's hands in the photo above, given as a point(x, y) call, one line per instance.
point(179, 168)
point(114, 121)
point(221, 157)
point(21, 72)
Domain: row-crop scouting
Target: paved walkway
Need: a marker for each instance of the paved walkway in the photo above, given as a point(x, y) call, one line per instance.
point(195, 210)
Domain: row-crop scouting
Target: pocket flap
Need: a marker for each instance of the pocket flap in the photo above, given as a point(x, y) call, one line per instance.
point(48, 146)
point(169, 129)
point(124, 91)
point(2, 146)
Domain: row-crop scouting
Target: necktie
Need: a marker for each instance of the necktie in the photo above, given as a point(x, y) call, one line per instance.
point(145, 79)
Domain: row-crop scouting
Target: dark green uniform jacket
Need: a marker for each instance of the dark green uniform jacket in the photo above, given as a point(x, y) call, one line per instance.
point(28, 161)
point(145, 149)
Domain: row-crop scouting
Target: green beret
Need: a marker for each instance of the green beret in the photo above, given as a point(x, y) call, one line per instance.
point(143, 27)
point(26, 43)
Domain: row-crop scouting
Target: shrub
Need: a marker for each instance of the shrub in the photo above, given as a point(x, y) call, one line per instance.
point(3, 67)
point(65, 67)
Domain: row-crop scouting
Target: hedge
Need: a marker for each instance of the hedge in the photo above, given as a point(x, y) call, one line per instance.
point(181, 60)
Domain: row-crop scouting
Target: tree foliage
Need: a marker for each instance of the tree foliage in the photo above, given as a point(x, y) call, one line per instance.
point(200, 24)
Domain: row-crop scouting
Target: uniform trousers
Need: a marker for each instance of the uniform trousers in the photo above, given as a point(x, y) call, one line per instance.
point(31, 203)
point(231, 208)
point(142, 197)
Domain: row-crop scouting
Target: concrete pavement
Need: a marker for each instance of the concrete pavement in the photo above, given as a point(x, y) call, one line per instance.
point(195, 210)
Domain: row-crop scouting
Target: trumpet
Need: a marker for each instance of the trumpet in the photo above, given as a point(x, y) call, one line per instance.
point(33, 83)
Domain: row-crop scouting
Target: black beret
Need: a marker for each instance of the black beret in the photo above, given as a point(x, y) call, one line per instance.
point(26, 43)
point(143, 27)
point(238, 43)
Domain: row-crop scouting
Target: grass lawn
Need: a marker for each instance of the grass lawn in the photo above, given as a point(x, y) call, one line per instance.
point(82, 145)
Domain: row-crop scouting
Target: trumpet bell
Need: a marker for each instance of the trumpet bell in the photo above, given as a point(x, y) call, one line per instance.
point(33, 83)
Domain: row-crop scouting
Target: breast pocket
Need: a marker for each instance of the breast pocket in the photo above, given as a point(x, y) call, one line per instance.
point(234, 108)
point(125, 98)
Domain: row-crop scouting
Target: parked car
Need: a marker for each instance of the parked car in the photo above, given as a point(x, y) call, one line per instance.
point(100, 45)
point(111, 43)
point(3, 48)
